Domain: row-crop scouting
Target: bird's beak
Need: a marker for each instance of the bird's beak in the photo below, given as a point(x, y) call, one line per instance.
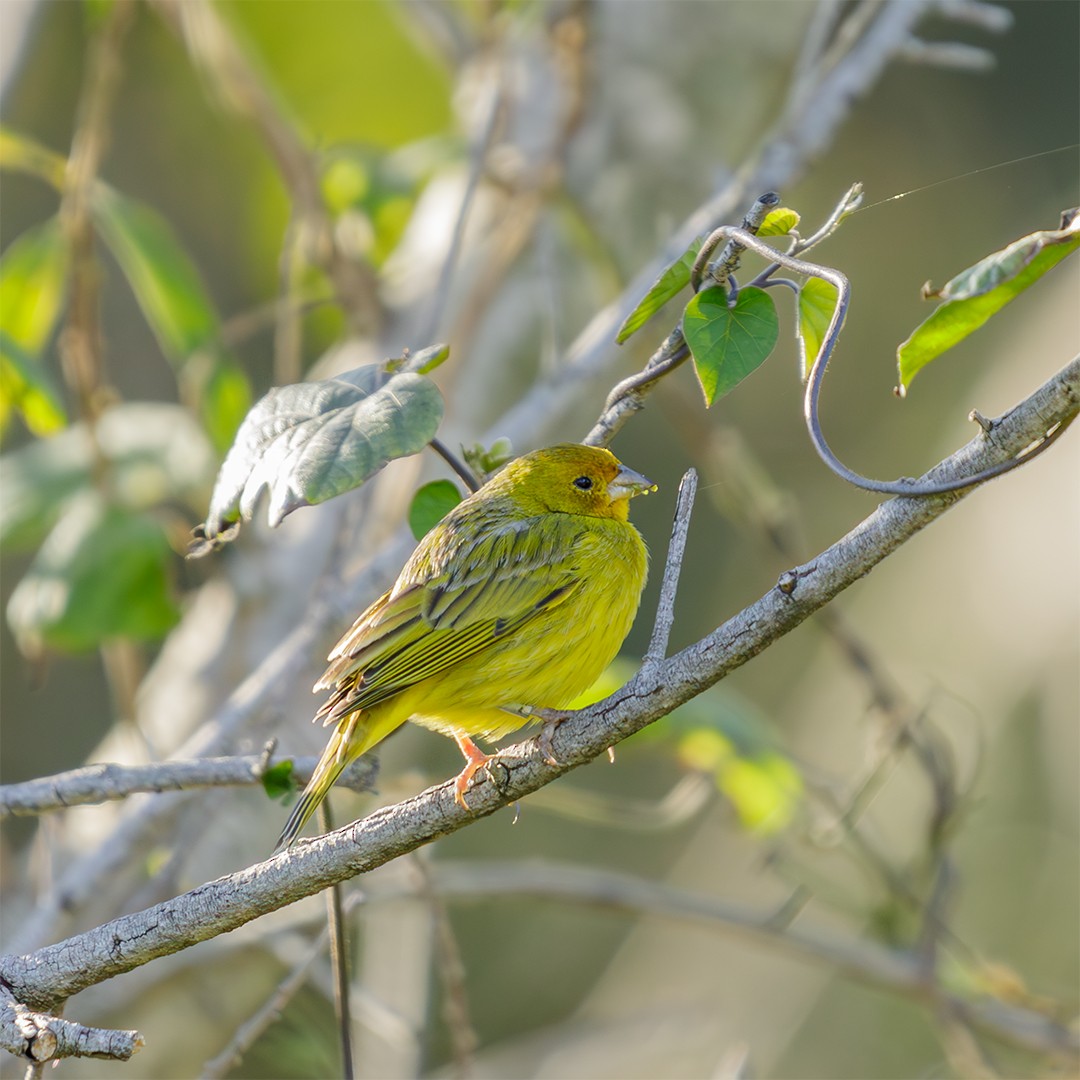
point(627, 484)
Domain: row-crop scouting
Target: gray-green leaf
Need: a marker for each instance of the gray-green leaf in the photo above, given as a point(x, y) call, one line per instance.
point(307, 442)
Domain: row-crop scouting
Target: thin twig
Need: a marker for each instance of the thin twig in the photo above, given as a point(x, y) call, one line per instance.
point(245, 1036)
point(665, 608)
point(339, 957)
point(107, 782)
point(80, 343)
point(288, 336)
point(450, 968)
point(478, 158)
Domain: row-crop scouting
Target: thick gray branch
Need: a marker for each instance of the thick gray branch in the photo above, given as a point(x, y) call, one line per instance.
point(56, 972)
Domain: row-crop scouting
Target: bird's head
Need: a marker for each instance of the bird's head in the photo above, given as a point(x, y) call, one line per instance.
point(573, 479)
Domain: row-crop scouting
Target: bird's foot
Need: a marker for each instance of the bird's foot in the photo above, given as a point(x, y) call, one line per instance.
point(475, 760)
point(552, 718)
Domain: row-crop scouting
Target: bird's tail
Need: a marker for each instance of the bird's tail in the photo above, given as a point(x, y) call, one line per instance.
point(350, 739)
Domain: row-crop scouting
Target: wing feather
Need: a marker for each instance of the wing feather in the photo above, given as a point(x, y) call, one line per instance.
point(454, 598)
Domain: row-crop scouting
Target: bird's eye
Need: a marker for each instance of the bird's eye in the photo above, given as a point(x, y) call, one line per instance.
point(583, 483)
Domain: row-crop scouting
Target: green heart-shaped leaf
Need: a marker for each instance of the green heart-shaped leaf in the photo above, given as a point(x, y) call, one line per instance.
point(728, 343)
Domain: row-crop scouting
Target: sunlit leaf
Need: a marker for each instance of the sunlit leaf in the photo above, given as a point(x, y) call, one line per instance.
point(18, 153)
point(155, 453)
point(101, 573)
point(224, 402)
point(24, 387)
point(33, 274)
point(758, 780)
point(778, 222)
point(163, 278)
point(671, 281)
point(430, 505)
point(345, 182)
point(764, 791)
point(705, 749)
point(425, 360)
point(307, 442)
point(981, 291)
point(817, 302)
point(729, 343)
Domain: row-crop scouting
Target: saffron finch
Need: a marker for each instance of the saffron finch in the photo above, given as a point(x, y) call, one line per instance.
point(517, 600)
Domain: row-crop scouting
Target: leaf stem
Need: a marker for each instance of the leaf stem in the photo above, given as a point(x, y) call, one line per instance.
point(468, 477)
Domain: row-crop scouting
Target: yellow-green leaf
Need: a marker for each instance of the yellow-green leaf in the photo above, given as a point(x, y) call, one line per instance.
point(981, 291)
point(672, 280)
point(33, 277)
point(24, 388)
point(779, 222)
point(224, 402)
point(817, 302)
point(764, 791)
point(21, 154)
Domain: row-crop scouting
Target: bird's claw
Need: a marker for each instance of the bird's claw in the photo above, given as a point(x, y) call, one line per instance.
point(552, 719)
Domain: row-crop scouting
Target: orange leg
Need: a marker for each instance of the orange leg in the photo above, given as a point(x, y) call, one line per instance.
point(475, 760)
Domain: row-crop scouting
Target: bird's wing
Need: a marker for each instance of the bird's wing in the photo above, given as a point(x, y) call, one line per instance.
point(480, 592)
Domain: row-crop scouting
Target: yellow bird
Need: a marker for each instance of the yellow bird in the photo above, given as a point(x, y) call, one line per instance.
point(517, 600)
